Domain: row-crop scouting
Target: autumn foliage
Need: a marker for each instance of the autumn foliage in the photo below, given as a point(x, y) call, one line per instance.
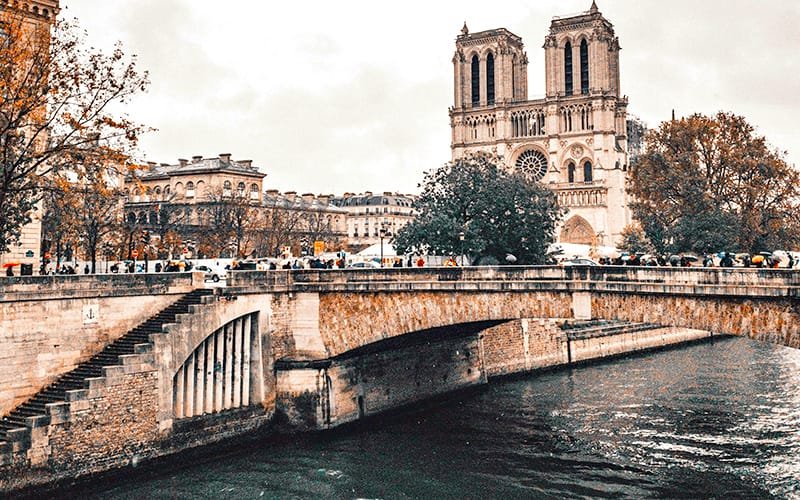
point(711, 183)
point(56, 100)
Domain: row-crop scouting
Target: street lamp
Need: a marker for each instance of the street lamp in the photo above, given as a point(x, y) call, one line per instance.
point(383, 233)
point(461, 246)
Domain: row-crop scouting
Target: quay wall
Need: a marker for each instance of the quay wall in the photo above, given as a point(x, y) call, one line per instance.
point(50, 324)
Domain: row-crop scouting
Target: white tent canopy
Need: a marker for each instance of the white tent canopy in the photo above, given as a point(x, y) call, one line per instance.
point(375, 250)
point(570, 250)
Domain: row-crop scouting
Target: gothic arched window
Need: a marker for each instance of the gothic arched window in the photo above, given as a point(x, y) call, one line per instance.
point(476, 81)
point(490, 79)
point(568, 69)
point(587, 171)
point(584, 67)
point(571, 172)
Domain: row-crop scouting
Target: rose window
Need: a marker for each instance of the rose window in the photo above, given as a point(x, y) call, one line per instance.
point(532, 164)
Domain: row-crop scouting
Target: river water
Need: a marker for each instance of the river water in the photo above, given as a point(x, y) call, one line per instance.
point(718, 419)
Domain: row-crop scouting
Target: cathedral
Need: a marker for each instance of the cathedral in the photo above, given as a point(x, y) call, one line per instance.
point(573, 140)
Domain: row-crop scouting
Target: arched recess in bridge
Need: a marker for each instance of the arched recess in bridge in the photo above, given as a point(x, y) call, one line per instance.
point(221, 373)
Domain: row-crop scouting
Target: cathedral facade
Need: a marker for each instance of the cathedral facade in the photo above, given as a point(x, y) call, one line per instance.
point(574, 140)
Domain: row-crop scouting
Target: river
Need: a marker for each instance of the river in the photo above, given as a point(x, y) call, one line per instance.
point(718, 419)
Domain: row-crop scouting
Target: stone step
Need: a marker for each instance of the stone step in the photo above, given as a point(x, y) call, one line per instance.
point(109, 356)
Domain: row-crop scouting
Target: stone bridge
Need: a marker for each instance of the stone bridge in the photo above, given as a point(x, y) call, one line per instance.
point(322, 348)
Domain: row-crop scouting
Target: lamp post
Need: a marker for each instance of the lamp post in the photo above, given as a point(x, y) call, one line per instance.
point(382, 232)
point(461, 246)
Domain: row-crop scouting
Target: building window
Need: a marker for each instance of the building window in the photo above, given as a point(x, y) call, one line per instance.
point(190, 189)
point(226, 188)
point(568, 69)
point(490, 79)
point(532, 164)
point(571, 172)
point(166, 191)
point(476, 81)
point(254, 191)
point(584, 67)
point(240, 189)
point(587, 171)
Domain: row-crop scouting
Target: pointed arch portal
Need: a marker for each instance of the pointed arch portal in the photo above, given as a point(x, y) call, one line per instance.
point(577, 230)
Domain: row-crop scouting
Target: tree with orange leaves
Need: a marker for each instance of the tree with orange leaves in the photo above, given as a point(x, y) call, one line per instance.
point(56, 97)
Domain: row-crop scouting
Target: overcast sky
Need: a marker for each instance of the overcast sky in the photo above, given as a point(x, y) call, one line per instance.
point(327, 97)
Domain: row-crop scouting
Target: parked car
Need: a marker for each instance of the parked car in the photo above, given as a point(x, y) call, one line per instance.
point(367, 264)
point(210, 274)
point(578, 262)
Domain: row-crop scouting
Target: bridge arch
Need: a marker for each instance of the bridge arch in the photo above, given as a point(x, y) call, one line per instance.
point(220, 373)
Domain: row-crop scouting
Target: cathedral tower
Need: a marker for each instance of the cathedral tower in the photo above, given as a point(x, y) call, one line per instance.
point(574, 140)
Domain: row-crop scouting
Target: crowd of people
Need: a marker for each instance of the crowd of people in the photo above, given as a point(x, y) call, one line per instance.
point(722, 259)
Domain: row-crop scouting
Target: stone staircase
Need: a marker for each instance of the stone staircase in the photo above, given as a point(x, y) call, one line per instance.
point(577, 330)
point(15, 425)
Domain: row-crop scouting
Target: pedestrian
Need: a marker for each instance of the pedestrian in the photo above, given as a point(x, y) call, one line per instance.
point(158, 267)
point(86, 269)
point(10, 271)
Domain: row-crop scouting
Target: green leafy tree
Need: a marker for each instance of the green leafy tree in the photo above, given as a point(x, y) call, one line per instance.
point(711, 183)
point(634, 240)
point(495, 211)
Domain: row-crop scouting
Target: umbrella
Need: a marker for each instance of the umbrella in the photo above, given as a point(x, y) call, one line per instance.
point(10, 264)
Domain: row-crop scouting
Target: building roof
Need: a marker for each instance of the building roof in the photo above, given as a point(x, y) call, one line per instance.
point(369, 199)
point(200, 165)
point(292, 201)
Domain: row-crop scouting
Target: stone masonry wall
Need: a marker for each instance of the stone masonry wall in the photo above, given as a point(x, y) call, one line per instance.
point(391, 379)
point(351, 320)
point(775, 320)
point(110, 425)
point(40, 340)
point(523, 345)
point(627, 342)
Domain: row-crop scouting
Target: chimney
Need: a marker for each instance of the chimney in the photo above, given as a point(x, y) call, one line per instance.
point(183, 162)
point(290, 195)
point(246, 163)
point(225, 157)
point(367, 193)
point(308, 197)
point(324, 199)
point(197, 159)
point(151, 164)
point(272, 192)
point(387, 193)
point(163, 164)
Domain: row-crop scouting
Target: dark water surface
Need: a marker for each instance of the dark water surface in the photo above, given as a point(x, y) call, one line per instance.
point(720, 419)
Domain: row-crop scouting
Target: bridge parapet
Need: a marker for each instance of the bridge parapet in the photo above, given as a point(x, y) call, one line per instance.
point(621, 279)
point(59, 286)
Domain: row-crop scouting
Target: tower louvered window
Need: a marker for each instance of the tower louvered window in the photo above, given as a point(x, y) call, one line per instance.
point(476, 81)
point(490, 79)
point(568, 69)
point(584, 67)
